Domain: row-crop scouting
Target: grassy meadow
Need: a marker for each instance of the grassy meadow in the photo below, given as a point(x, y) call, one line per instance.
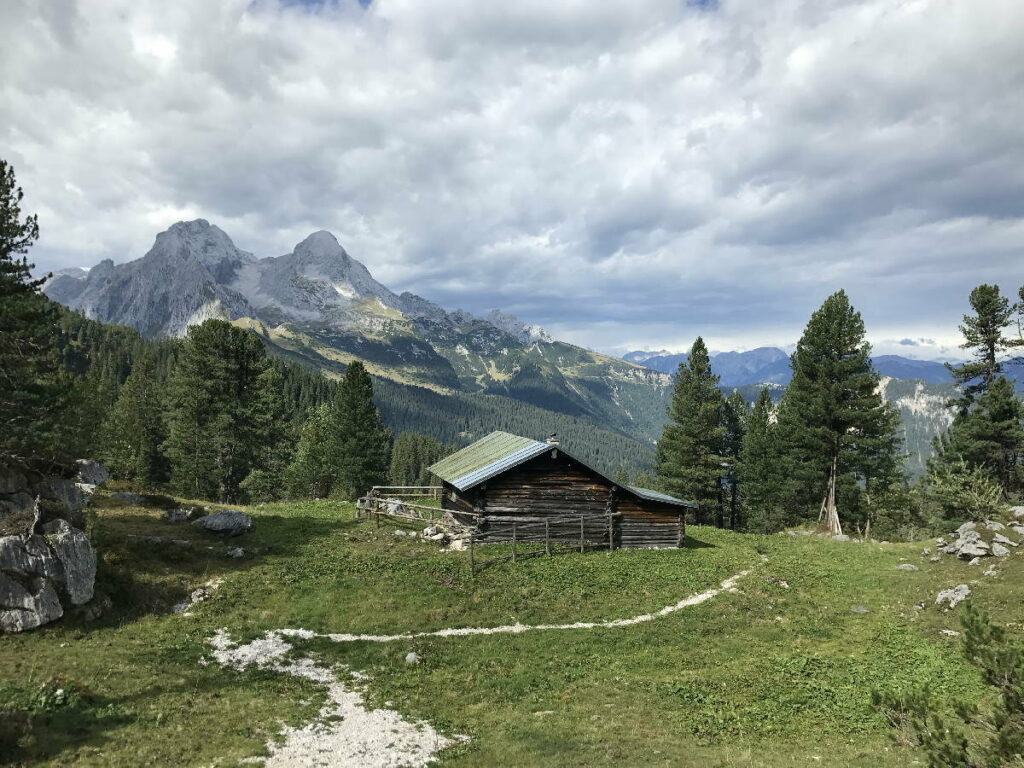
point(777, 673)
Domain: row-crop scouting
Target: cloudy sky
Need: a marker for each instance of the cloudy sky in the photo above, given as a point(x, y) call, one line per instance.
point(627, 173)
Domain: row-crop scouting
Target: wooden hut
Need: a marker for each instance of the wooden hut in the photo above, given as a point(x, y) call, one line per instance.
point(503, 478)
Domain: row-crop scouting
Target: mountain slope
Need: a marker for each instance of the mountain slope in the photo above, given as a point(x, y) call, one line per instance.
point(319, 305)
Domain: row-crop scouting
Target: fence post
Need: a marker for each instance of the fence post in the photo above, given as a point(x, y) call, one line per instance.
point(513, 541)
point(611, 534)
point(581, 533)
point(472, 564)
point(547, 536)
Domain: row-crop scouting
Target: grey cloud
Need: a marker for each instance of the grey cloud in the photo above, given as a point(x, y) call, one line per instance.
point(626, 172)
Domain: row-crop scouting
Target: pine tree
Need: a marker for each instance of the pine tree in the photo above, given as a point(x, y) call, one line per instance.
point(34, 394)
point(734, 419)
point(364, 443)
point(836, 432)
point(758, 470)
point(983, 333)
point(313, 470)
point(990, 435)
point(411, 454)
point(134, 430)
point(213, 430)
point(688, 459)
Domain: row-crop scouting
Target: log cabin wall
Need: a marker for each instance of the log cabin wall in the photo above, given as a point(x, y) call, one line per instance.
point(554, 484)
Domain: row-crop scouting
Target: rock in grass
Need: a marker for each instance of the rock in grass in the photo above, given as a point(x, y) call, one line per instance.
point(906, 567)
point(952, 597)
point(999, 550)
point(236, 553)
point(1004, 540)
point(413, 658)
point(230, 522)
point(91, 472)
point(994, 525)
point(859, 609)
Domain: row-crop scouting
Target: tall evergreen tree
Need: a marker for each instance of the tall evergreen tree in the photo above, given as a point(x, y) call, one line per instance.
point(214, 431)
point(133, 432)
point(33, 392)
point(758, 471)
point(990, 435)
point(734, 419)
point(314, 468)
point(689, 455)
point(363, 441)
point(983, 333)
point(836, 431)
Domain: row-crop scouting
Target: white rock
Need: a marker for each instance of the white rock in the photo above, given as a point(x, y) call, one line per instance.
point(1004, 540)
point(949, 632)
point(400, 532)
point(968, 526)
point(994, 525)
point(906, 567)
point(413, 658)
point(953, 596)
point(999, 550)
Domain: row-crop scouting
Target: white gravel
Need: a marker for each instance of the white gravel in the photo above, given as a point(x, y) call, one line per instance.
point(348, 735)
point(345, 734)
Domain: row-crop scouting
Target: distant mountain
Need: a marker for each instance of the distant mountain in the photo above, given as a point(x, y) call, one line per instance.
point(904, 368)
point(770, 365)
point(320, 306)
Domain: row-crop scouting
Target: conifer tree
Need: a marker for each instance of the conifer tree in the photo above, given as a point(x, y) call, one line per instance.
point(213, 431)
point(34, 394)
point(990, 435)
point(734, 420)
point(134, 430)
point(983, 333)
point(314, 469)
point(836, 431)
point(688, 459)
point(758, 470)
point(411, 454)
point(364, 443)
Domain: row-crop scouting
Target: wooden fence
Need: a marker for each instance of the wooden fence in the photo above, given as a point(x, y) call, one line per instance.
point(537, 536)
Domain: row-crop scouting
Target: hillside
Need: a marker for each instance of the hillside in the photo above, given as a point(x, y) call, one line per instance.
point(779, 671)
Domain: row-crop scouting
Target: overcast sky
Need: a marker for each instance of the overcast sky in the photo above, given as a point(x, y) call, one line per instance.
point(627, 173)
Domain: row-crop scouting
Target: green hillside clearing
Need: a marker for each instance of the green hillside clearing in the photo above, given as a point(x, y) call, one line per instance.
point(774, 674)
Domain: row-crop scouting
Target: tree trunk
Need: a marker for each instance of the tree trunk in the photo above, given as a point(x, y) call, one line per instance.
point(828, 516)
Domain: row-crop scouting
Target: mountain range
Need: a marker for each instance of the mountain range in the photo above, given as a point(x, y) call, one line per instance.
point(439, 371)
point(770, 365)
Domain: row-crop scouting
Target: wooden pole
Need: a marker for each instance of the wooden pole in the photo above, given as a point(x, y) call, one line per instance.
point(472, 564)
point(547, 536)
point(581, 533)
point(513, 541)
point(611, 534)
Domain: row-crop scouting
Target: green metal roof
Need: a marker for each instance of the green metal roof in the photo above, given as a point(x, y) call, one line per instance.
point(645, 493)
point(486, 458)
point(499, 451)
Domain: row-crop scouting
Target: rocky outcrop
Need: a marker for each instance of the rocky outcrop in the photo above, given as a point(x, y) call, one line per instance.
point(47, 564)
point(951, 598)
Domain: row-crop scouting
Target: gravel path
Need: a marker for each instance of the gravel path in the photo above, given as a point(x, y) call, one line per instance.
point(348, 735)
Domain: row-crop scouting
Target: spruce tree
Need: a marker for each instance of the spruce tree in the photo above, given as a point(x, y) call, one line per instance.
point(133, 432)
point(34, 394)
point(734, 420)
point(364, 443)
point(836, 432)
point(758, 470)
point(689, 454)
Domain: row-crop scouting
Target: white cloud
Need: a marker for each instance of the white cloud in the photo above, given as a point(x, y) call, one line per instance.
point(627, 173)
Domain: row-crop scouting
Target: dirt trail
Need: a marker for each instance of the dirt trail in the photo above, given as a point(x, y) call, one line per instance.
point(348, 735)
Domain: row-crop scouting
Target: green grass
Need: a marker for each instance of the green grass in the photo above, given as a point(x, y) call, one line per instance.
point(768, 676)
